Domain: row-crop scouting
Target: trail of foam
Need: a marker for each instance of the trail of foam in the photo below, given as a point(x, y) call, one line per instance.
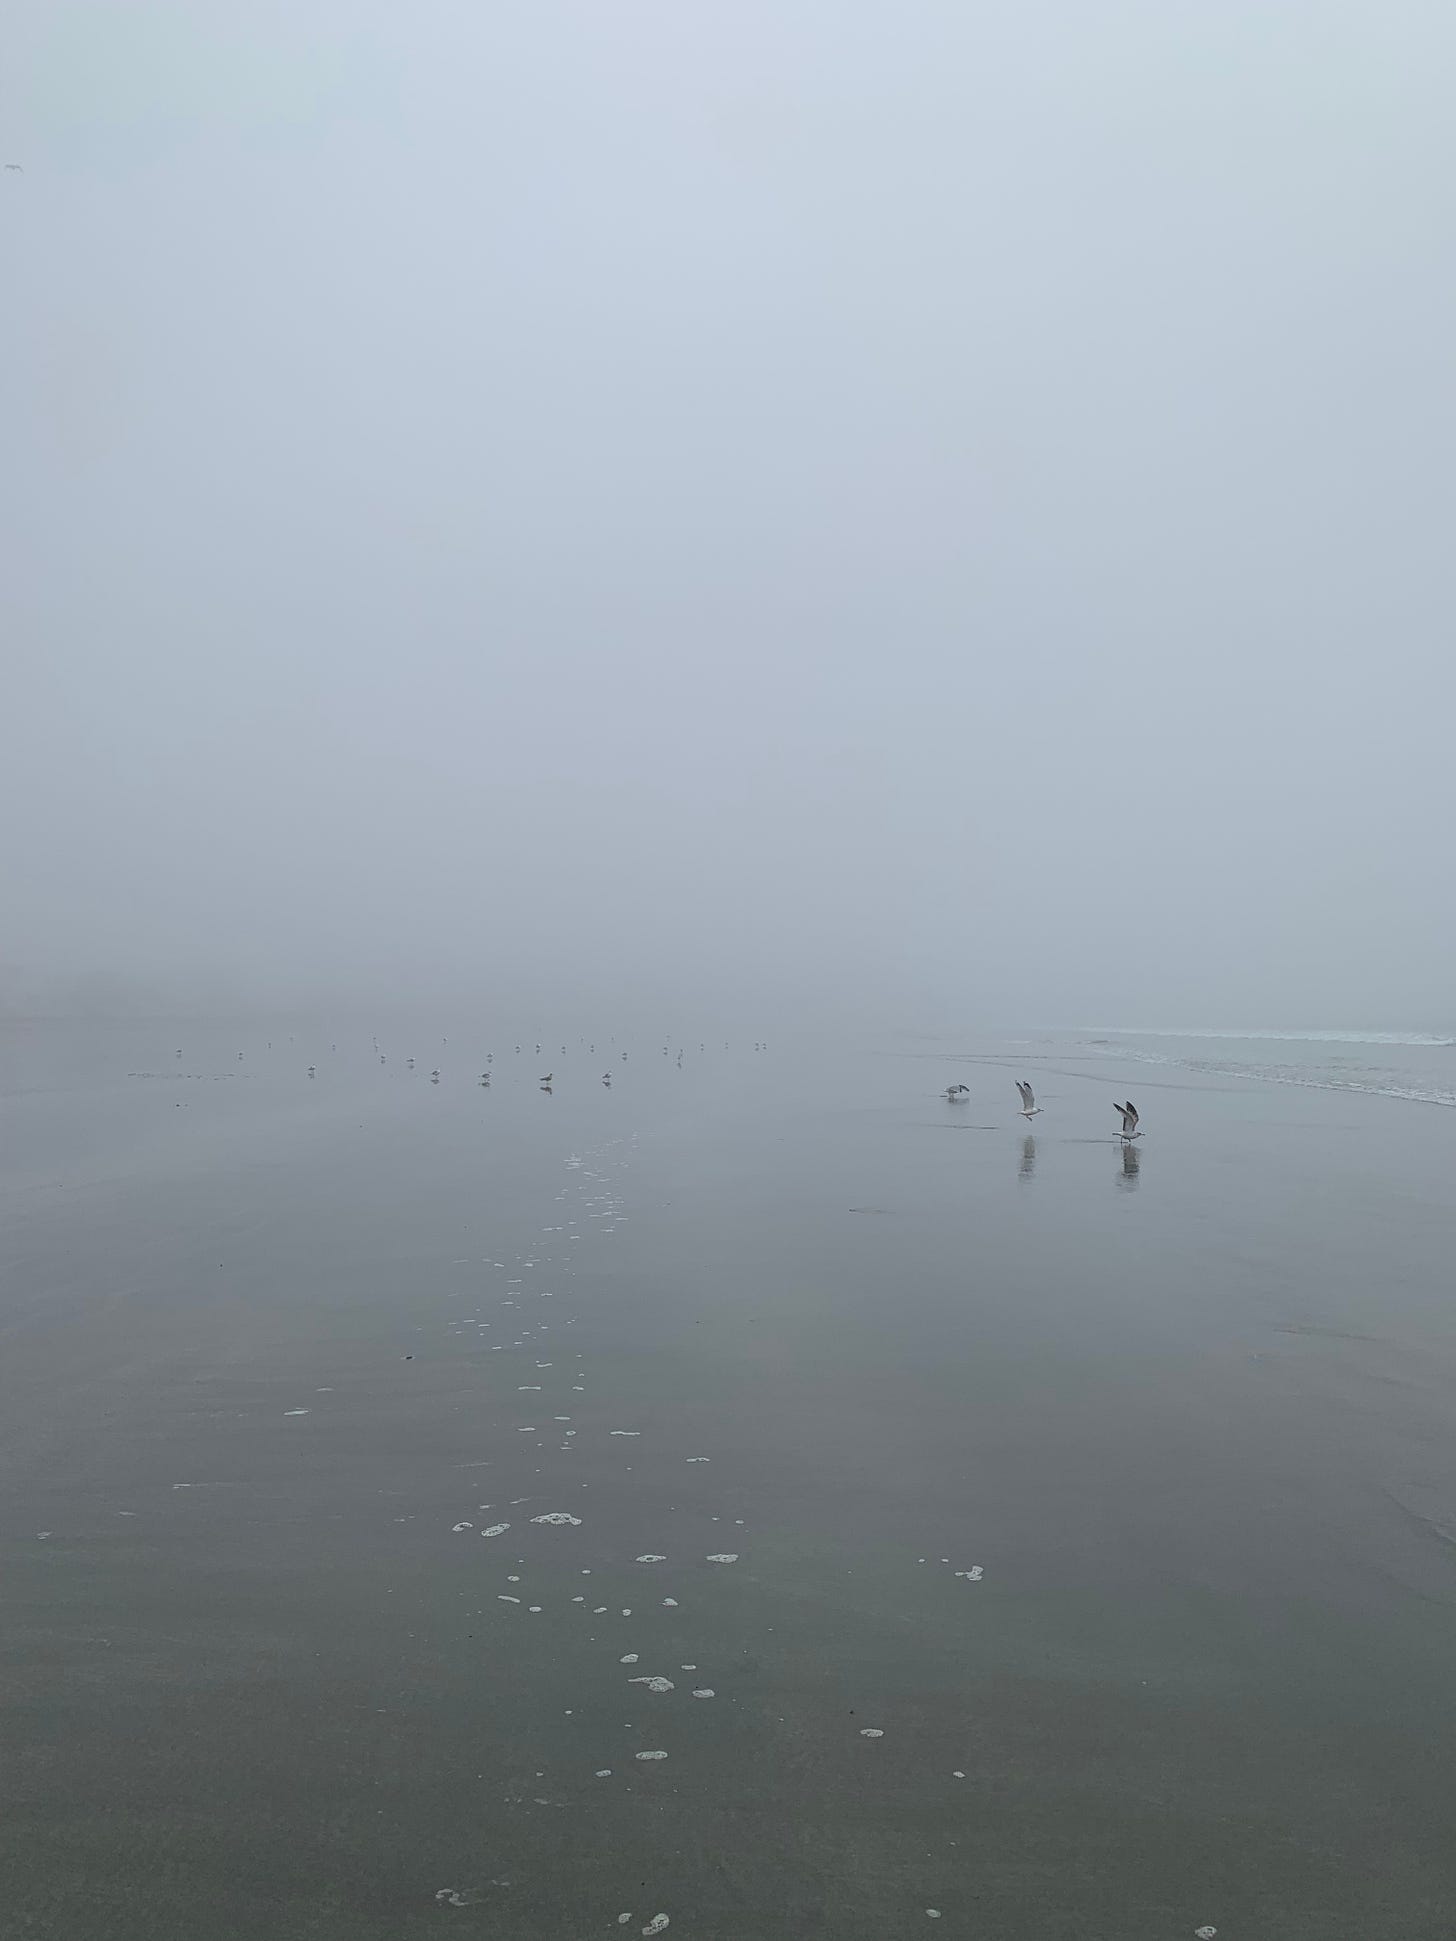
point(1287, 1075)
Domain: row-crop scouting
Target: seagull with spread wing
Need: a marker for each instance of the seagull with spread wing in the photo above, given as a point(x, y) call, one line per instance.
point(1129, 1119)
point(1029, 1106)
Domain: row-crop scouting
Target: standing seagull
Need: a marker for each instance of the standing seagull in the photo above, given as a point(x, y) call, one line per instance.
point(1129, 1119)
point(548, 1078)
point(1029, 1106)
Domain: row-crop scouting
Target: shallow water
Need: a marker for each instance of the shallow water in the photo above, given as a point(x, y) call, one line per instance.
point(758, 1493)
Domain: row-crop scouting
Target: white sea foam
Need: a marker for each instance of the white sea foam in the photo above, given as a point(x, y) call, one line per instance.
point(1374, 1083)
point(1278, 1037)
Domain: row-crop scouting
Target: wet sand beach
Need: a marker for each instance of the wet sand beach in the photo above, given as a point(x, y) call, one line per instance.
point(759, 1493)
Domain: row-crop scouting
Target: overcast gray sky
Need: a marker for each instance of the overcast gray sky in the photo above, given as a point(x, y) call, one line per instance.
point(947, 504)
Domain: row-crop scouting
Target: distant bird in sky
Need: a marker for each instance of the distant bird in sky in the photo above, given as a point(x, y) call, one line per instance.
point(957, 1092)
point(1129, 1119)
point(1029, 1106)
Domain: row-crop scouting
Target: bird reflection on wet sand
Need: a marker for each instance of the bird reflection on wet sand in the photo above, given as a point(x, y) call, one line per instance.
point(1027, 1168)
point(1132, 1161)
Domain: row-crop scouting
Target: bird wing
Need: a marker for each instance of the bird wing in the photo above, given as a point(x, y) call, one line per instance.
point(1029, 1096)
point(1132, 1112)
point(1025, 1091)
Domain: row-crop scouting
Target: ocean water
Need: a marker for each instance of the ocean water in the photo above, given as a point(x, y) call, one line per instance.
point(1412, 1065)
point(756, 1498)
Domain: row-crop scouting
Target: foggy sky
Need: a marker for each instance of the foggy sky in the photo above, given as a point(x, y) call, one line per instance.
point(939, 508)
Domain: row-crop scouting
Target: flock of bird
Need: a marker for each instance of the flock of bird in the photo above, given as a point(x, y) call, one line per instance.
point(956, 1093)
point(544, 1082)
point(959, 1094)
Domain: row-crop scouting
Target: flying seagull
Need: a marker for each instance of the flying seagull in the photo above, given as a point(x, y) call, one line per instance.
point(957, 1092)
point(1029, 1106)
point(1129, 1119)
